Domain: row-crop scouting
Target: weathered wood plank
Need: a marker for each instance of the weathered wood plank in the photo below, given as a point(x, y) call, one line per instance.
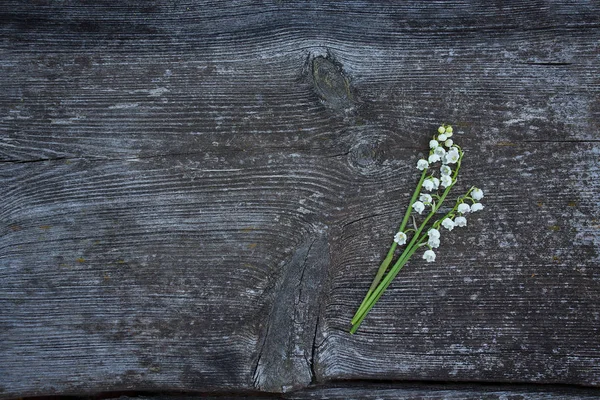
point(107, 261)
point(150, 276)
point(412, 391)
point(513, 298)
point(115, 92)
point(195, 196)
point(433, 392)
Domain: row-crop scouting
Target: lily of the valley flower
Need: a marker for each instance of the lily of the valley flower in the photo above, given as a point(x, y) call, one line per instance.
point(446, 181)
point(433, 242)
point(429, 255)
point(428, 184)
point(452, 156)
point(476, 207)
point(460, 221)
point(400, 238)
point(422, 164)
point(448, 224)
point(433, 233)
point(418, 206)
point(441, 148)
point(425, 198)
point(433, 158)
point(463, 208)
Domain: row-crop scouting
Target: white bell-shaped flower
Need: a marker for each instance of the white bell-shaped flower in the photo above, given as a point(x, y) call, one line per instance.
point(428, 184)
point(429, 255)
point(422, 164)
point(476, 207)
point(425, 198)
point(433, 158)
point(433, 242)
point(433, 233)
point(460, 221)
point(446, 181)
point(452, 156)
point(418, 206)
point(463, 208)
point(400, 238)
point(448, 224)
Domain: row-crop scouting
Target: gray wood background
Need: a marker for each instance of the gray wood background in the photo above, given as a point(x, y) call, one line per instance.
point(195, 196)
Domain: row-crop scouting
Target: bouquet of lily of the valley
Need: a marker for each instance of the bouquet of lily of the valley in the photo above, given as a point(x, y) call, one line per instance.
point(440, 173)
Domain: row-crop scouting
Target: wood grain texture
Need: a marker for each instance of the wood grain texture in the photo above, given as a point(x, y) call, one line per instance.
point(409, 391)
point(196, 195)
point(406, 391)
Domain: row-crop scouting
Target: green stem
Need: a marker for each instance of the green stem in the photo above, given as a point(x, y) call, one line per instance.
point(390, 255)
point(381, 288)
point(376, 294)
point(373, 295)
point(412, 201)
point(398, 266)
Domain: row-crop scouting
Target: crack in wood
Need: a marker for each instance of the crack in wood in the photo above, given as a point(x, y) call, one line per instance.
point(286, 359)
point(360, 219)
point(255, 372)
point(299, 286)
point(549, 63)
point(313, 353)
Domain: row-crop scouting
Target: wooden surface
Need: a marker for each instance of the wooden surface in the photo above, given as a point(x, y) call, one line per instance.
point(405, 391)
point(195, 196)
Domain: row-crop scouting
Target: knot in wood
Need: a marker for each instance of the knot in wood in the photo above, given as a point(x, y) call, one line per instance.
point(331, 85)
